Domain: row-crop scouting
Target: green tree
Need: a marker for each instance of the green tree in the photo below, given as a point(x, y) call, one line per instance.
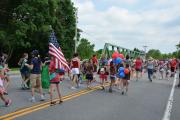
point(178, 51)
point(154, 53)
point(26, 25)
point(85, 49)
point(178, 46)
point(99, 53)
point(137, 50)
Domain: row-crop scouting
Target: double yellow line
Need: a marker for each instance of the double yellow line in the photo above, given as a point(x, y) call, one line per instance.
point(44, 105)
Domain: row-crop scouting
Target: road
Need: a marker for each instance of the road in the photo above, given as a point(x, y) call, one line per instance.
point(144, 101)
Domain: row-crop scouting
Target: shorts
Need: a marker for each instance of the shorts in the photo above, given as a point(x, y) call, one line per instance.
point(95, 68)
point(112, 77)
point(89, 77)
point(35, 80)
point(172, 69)
point(154, 70)
point(138, 70)
point(54, 83)
point(117, 76)
point(161, 70)
point(103, 76)
point(127, 77)
point(125, 82)
point(75, 71)
point(25, 74)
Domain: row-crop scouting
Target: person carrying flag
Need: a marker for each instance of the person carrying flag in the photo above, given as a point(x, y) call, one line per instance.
point(54, 81)
point(57, 65)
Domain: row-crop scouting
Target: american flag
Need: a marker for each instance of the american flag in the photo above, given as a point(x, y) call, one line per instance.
point(55, 51)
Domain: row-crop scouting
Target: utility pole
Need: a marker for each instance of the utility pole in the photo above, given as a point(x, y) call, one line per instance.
point(145, 48)
point(75, 37)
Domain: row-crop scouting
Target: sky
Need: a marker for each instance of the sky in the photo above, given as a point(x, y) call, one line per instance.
point(130, 23)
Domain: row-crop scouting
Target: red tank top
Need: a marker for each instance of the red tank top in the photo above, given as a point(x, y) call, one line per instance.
point(75, 64)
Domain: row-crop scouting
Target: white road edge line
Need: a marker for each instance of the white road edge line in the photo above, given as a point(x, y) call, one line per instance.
point(167, 113)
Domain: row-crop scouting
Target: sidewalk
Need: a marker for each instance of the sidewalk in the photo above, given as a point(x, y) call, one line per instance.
point(14, 72)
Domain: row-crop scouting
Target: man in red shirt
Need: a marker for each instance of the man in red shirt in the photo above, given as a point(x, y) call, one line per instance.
point(95, 62)
point(138, 67)
point(173, 65)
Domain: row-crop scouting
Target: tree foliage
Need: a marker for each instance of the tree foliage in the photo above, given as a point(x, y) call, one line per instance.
point(154, 53)
point(85, 49)
point(26, 25)
point(158, 55)
point(99, 53)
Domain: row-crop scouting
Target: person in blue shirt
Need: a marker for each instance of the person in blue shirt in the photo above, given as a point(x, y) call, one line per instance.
point(35, 76)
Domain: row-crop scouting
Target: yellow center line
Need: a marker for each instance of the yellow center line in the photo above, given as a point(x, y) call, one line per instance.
point(45, 103)
point(38, 105)
point(45, 106)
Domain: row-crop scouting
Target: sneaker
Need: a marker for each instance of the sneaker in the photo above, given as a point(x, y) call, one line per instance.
point(8, 103)
point(42, 98)
point(73, 88)
point(52, 103)
point(60, 101)
point(32, 99)
point(89, 88)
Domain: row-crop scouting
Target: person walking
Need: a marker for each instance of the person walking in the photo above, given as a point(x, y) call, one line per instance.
point(138, 67)
point(161, 69)
point(75, 70)
point(54, 81)
point(45, 73)
point(35, 76)
point(89, 73)
point(24, 70)
point(150, 68)
point(125, 80)
point(173, 64)
point(112, 75)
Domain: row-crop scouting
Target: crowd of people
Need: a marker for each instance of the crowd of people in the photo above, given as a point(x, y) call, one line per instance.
point(117, 71)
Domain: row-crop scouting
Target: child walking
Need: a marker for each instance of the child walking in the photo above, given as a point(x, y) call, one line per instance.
point(120, 75)
point(125, 80)
point(112, 75)
point(103, 76)
point(89, 73)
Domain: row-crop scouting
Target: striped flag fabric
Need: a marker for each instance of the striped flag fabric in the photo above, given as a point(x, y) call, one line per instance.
point(56, 52)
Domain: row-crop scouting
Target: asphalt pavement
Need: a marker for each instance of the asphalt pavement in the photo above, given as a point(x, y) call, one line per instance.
point(144, 101)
